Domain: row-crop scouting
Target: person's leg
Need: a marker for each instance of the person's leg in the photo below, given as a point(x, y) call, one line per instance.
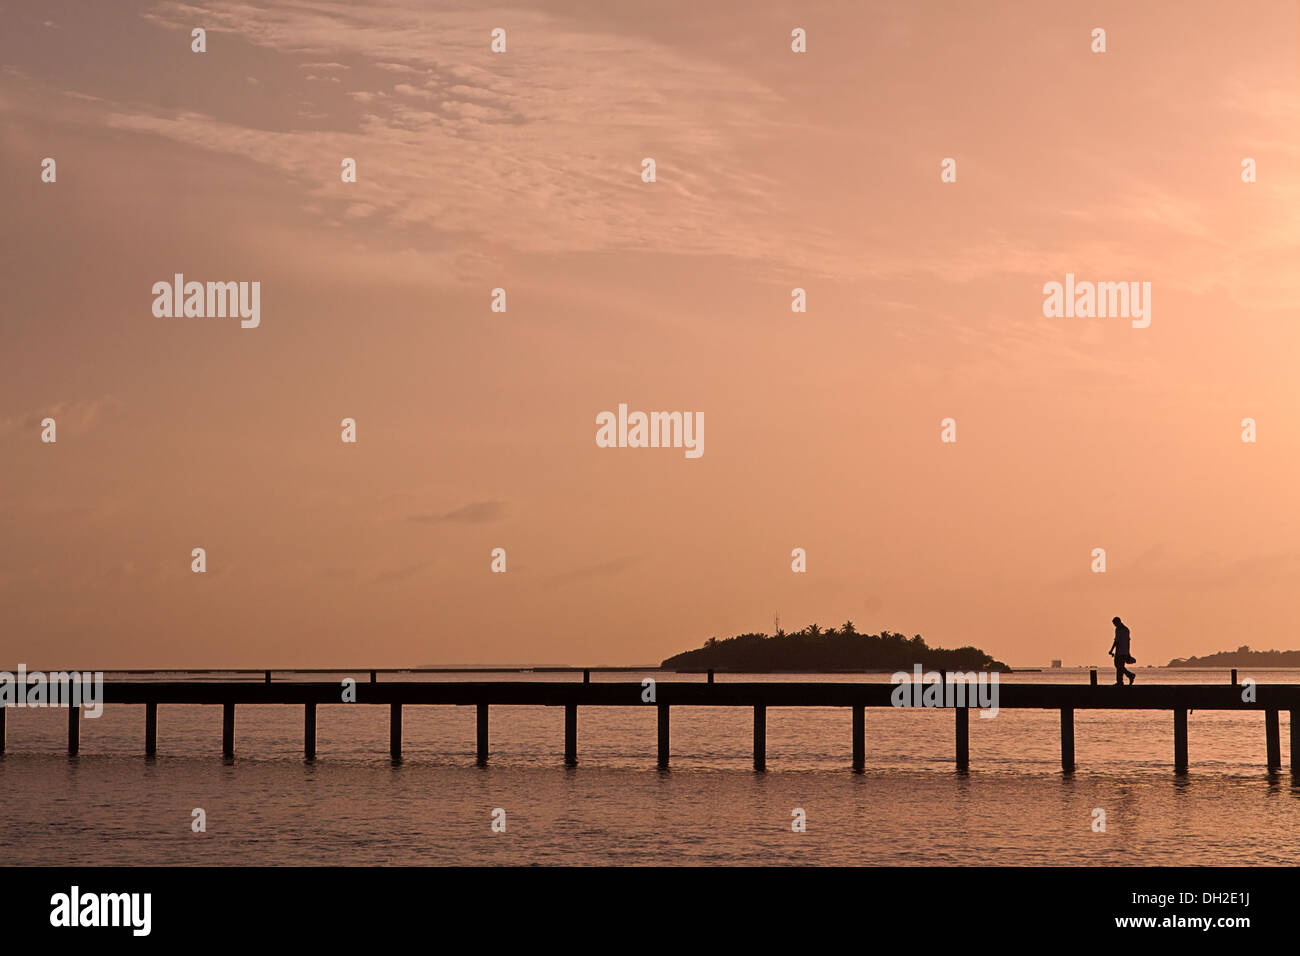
point(1120, 670)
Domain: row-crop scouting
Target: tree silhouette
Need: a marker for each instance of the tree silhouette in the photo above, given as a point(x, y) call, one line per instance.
point(844, 649)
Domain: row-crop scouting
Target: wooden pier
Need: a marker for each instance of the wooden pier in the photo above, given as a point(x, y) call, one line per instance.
point(1177, 699)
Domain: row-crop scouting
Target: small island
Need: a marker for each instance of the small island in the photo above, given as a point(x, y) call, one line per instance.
point(1241, 657)
point(814, 650)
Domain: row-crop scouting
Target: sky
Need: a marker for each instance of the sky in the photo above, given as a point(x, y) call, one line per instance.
point(476, 429)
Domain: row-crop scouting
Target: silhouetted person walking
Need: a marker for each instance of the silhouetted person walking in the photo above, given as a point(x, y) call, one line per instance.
point(1120, 650)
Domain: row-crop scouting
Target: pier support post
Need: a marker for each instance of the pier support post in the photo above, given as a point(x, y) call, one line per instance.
point(3, 712)
point(1092, 677)
point(1067, 739)
point(1180, 740)
point(1274, 739)
point(963, 738)
point(570, 735)
point(859, 738)
point(482, 735)
point(1234, 675)
point(395, 731)
point(74, 729)
point(663, 736)
point(760, 737)
point(309, 730)
point(151, 729)
point(228, 729)
point(1293, 718)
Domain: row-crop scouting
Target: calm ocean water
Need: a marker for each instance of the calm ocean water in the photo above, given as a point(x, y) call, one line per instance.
point(353, 806)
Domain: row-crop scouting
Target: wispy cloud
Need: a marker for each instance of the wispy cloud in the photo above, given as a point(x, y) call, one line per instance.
point(74, 416)
point(514, 147)
point(476, 512)
point(394, 575)
point(600, 570)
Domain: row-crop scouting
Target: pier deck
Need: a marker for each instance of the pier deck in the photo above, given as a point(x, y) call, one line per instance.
point(1178, 699)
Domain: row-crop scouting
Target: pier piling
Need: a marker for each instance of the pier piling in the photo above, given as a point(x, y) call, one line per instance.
point(1291, 720)
point(395, 731)
point(570, 735)
point(227, 729)
point(151, 729)
point(309, 731)
point(859, 737)
point(963, 738)
point(1067, 739)
point(1180, 740)
point(482, 735)
point(663, 736)
point(760, 737)
point(1273, 739)
point(74, 730)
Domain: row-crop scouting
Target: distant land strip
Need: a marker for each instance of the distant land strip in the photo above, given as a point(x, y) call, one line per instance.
point(1241, 657)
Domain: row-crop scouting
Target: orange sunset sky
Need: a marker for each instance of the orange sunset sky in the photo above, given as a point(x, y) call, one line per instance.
point(476, 429)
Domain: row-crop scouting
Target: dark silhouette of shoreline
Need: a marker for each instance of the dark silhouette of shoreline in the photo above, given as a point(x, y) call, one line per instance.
point(1241, 657)
point(831, 651)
